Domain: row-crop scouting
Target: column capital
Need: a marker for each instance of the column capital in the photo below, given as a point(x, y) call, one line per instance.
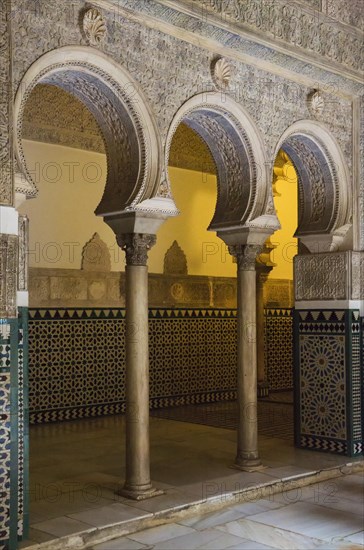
point(246, 255)
point(136, 247)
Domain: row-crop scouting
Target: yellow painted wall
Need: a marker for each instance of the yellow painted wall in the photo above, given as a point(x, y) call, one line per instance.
point(63, 211)
point(195, 195)
point(287, 208)
point(62, 217)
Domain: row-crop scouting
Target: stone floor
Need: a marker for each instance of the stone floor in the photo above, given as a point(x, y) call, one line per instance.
point(323, 515)
point(75, 468)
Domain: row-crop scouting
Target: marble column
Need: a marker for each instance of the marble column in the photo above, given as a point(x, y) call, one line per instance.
point(262, 273)
point(137, 470)
point(247, 454)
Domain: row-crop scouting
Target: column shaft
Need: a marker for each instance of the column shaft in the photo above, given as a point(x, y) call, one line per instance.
point(247, 455)
point(137, 447)
point(137, 380)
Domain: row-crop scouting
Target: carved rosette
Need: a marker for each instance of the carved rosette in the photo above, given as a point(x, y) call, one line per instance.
point(246, 255)
point(136, 247)
point(221, 72)
point(94, 27)
point(315, 103)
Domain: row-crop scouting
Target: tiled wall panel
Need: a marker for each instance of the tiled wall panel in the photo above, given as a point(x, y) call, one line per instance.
point(77, 359)
point(328, 381)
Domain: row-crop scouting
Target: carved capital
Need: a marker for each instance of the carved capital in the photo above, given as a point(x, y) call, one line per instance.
point(136, 247)
point(246, 255)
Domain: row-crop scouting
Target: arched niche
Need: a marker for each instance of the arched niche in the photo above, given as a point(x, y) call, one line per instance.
point(324, 211)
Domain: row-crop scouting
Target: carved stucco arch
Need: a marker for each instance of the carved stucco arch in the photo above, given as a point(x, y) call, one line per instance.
point(239, 155)
point(325, 213)
point(131, 139)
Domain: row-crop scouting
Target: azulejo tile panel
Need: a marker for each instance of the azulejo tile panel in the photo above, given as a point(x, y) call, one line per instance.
point(13, 451)
point(279, 348)
point(328, 381)
point(77, 359)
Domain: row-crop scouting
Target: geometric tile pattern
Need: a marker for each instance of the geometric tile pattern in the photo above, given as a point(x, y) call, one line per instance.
point(322, 385)
point(5, 432)
point(23, 422)
point(328, 380)
point(13, 450)
point(279, 348)
point(77, 359)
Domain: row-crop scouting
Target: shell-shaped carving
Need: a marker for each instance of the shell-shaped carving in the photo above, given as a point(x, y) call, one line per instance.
point(94, 26)
point(221, 73)
point(316, 103)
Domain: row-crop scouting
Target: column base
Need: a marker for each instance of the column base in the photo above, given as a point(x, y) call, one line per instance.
point(139, 493)
point(248, 464)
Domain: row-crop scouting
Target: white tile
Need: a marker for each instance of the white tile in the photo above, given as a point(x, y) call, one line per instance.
point(60, 527)
point(307, 518)
point(250, 545)
point(123, 543)
point(155, 535)
point(209, 539)
point(358, 538)
point(268, 535)
point(109, 515)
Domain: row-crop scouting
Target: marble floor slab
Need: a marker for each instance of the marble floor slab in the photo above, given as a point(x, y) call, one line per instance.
point(77, 467)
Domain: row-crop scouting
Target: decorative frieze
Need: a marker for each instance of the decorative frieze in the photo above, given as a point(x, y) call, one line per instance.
point(305, 28)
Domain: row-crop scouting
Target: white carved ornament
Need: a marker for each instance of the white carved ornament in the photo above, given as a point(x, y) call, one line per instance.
point(221, 73)
point(316, 103)
point(94, 27)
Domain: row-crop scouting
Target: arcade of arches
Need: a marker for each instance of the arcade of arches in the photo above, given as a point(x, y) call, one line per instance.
point(177, 231)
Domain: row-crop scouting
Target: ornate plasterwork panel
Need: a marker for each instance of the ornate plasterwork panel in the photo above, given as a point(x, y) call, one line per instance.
point(23, 226)
point(54, 116)
point(168, 81)
point(318, 185)
point(6, 156)
point(234, 165)
point(305, 29)
point(322, 277)
point(361, 178)
point(357, 276)
point(8, 279)
point(348, 12)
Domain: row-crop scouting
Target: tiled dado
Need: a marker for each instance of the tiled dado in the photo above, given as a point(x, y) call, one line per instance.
point(279, 348)
point(13, 434)
point(77, 359)
point(328, 381)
